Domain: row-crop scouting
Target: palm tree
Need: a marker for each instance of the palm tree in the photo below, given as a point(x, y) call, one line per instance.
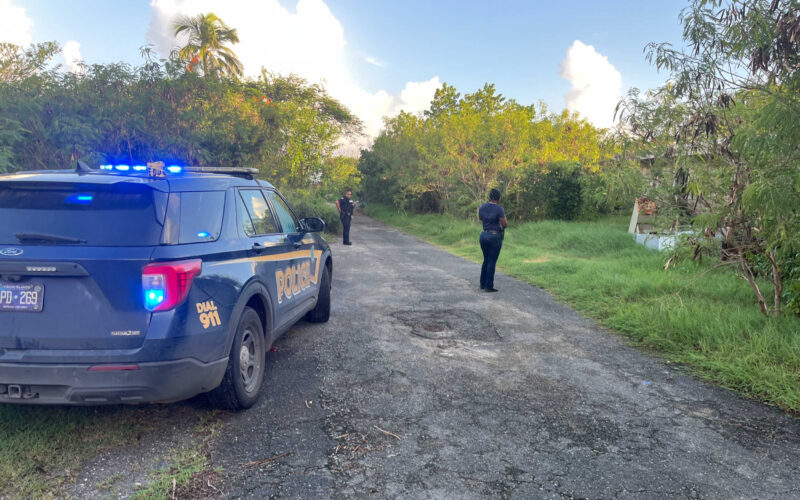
point(206, 48)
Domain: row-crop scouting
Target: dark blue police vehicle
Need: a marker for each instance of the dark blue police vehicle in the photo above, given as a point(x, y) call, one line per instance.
point(132, 284)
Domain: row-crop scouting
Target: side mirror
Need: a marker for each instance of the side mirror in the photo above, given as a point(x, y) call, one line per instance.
point(313, 224)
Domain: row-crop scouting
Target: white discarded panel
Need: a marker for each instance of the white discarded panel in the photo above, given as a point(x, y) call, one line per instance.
point(634, 218)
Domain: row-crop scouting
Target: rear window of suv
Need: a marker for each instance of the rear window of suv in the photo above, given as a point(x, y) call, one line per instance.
point(201, 216)
point(98, 215)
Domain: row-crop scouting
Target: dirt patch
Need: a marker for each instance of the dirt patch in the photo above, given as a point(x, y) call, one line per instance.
point(442, 324)
point(204, 484)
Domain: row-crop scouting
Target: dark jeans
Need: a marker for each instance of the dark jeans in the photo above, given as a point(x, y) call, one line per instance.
point(491, 244)
point(345, 228)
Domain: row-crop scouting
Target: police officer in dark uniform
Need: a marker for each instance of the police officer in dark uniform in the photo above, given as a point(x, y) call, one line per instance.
point(494, 225)
point(346, 206)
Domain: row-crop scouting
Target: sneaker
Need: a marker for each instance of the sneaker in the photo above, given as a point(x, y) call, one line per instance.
point(348, 243)
point(491, 290)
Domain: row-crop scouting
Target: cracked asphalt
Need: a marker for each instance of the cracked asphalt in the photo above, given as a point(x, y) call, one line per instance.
point(422, 386)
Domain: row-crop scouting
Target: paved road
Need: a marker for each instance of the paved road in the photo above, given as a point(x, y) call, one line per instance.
point(422, 386)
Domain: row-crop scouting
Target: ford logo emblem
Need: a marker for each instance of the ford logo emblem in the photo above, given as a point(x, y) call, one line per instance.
point(10, 252)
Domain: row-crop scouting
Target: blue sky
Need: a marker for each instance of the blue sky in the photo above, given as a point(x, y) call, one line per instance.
point(517, 45)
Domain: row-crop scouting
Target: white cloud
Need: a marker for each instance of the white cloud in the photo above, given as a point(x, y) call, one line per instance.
point(309, 42)
point(375, 62)
point(596, 84)
point(72, 57)
point(15, 25)
point(417, 96)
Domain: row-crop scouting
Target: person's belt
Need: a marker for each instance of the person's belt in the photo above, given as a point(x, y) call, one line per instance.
point(493, 232)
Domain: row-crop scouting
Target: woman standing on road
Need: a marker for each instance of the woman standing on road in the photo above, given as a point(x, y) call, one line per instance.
point(494, 224)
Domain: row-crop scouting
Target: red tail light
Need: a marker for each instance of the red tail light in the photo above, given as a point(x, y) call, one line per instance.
point(166, 284)
point(113, 368)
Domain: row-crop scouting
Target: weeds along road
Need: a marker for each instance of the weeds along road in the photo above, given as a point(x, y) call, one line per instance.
point(422, 386)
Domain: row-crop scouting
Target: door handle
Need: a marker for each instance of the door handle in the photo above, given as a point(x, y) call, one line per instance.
point(258, 247)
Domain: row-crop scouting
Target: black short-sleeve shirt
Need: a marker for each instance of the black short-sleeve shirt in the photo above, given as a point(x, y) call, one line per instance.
point(490, 214)
point(346, 206)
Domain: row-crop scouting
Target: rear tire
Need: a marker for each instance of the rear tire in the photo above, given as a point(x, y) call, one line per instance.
point(244, 375)
point(322, 311)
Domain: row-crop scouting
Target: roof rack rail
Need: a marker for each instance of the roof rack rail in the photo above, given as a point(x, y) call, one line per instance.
point(245, 172)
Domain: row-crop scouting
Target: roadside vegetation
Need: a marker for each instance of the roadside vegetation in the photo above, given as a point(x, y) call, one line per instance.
point(189, 472)
point(713, 152)
point(44, 448)
point(191, 107)
point(699, 314)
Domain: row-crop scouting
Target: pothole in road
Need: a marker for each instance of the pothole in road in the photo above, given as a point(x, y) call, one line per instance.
point(440, 324)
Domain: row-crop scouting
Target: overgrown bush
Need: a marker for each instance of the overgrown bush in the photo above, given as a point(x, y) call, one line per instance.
point(554, 192)
point(791, 292)
point(448, 159)
point(306, 204)
point(789, 266)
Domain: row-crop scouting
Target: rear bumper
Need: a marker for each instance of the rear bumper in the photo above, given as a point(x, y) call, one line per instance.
point(74, 384)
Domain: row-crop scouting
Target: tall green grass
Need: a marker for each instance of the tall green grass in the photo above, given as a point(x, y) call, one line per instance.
point(701, 315)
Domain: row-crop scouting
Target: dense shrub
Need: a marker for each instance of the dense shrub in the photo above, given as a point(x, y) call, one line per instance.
point(789, 266)
point(791, 294)
point(306, 204)
point(791, 277)
point(447, 159)
point(554, 192)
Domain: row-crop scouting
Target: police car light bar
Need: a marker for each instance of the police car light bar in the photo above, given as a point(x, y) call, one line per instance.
point(173, 169)
point(245, 172)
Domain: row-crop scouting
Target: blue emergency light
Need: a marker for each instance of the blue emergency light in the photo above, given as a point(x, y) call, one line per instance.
point(80, 199)
point(172, 169)
point(153, 297)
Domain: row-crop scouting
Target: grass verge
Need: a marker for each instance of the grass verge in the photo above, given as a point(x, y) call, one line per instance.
point(43, 448)
point(183, 477)
point(696, 314)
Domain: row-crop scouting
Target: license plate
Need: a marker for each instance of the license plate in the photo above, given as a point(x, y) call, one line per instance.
point(28, 297)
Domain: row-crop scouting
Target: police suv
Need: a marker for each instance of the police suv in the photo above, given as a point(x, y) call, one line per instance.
point(145, 283)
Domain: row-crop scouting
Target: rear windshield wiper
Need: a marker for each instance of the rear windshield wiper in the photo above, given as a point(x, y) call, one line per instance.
point(54, 238)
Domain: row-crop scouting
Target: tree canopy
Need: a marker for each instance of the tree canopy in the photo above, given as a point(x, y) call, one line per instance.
point(205, 48)
point(451, 156)
point(282, 125)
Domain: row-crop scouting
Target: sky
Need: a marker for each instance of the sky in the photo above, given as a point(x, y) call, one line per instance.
point(379, 56)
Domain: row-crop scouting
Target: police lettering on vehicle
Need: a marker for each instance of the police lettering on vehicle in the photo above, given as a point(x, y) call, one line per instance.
point(298, 277)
